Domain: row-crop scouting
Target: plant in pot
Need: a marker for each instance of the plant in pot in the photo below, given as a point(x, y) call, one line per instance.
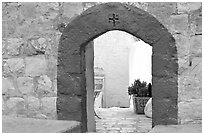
point(141, 93)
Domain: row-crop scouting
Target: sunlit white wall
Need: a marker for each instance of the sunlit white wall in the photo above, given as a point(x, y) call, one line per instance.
point(140, 62)
point(123, 59)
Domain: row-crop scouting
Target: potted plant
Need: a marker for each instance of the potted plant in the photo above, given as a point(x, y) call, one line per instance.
point(141, 93)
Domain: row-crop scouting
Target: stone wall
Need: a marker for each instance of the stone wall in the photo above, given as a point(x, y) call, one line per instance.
point(30, 36)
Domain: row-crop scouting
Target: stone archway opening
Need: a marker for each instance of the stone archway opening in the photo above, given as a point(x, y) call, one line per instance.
point(114, 60)
point(72, 99)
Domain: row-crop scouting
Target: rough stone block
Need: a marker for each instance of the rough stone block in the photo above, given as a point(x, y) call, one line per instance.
point(16, 106)
point(25, 85)
point(52, 68)
point(183, 65)
point(189, 88)
point(70, 63)
point(178, 23)
point(13, 46)
point(69, 84)
point(68, 107)
point(38, 45)
point(48, 10)
point(165, 46)
point(7, 85)
point(44, 87)
point(196, 68)
point(46, 6)
point(14, 66)
point(162, 10)
point(35, 66)
point(164, 67)
point(185, 7)
point(33, 103)
point(165, 87)
point(44, 83)
point(196, 46)
point(141, 5)
point(71, 9)
point(182, 44)
point(195, 20)
point(28, 9)
point(164, 111)
point(190, 111)
point(49, 105)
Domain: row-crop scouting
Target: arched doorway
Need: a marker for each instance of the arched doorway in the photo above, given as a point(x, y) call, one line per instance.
point(72, 95)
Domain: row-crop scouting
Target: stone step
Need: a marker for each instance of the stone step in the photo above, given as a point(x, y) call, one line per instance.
point(188, 128)
point(30, 125)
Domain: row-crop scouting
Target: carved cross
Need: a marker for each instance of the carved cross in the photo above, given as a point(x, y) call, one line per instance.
point(113, 19)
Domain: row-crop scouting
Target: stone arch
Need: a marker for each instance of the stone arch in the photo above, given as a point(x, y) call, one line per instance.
point(71, 94)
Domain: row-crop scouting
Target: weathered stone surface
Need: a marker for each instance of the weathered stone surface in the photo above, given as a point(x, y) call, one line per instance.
point(182, 44)
point(195, 20)
point(16, 106)
point(28, 10)
point(190, 88)
point(48, 11)
point(35, 66)
point(52, 68)
point(44, 85)
point(4, 45)
point(87, 5)
point(69, 84)
point(190, 112)
point(179, 23)
point(7, 85)
point(196, 68)
point(93, 23)
point(14, 66)
point(41, 116)
point(185, 7)
point(196, 46)
point(166, 87)
point(49, 106)
point(25, 84)
point(13, 45)
point(33, 103)
point(74, 65)
point(39, 45)
point(71, 9)
point(4, 107)
point(28, 125)
point(186, 128)
point(141, 5)
point(33, 20)
point(162, 10)
point(167, 105)
point(73, 112)
point(55, 85)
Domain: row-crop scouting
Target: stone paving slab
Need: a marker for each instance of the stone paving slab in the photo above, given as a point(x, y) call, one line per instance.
point(188, 128)
point(29, 125)
point(121, 120)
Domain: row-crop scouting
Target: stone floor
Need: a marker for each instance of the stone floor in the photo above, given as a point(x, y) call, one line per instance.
point(121, 120)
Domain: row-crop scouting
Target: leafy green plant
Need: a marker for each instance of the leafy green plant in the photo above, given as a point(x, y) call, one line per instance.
point(140, 89)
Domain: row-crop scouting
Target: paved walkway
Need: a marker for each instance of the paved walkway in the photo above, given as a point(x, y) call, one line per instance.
point(121, 120)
